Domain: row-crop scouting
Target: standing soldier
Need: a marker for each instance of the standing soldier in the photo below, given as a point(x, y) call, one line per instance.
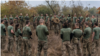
point(6, 21)
point(21, 20)
point(55, 21)
point(41, 17)
point(60, 19)
point(69, 19)
point(26, 17)
point(74, 20)
point(47, 20)
point(93, 20)
point(81, 21)
point(42, 32)
point(86, 40)
point(76, 34)
point(38, 18)
point(10, 18)
point(18, 38)
point(34, 21)
point(10, 37)
point(95, 40)
point(16, 19)
point(88, 20)
point(26, 37)
point(3, 35)
point(51, 21)
point(65, 36)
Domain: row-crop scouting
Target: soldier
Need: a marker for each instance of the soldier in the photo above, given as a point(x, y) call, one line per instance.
point(87, 18)
point(6, 21)
point(86, 40)
point(55, 21)
point(21, 20)
point(65, 36)
point(38, 18)
point(61, 20)
point(10, 18)
point(16, 19)
point(26, 17)
point(51, 21)
point(93, 20)
point(95, 39)
point(41, 16)
point(76, 34)
point(47, 20)
point(18, 38)
point(69, 20)
point(34, 21)
point(10, 37)
point(3, 35)
point(42, 32)
point(74, 20)
point(26, 37)
point(81, 20)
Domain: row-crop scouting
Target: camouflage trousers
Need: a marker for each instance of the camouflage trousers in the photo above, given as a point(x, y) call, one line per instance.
point(10, 43)
point(21, 25)
point(77, 47)
point(18, 44)
point(44, 45)
point(3, 42)
point(15, 22)
point(51, 25)
point(56, 28)
point(47, 24)
point(60, 25)
point(34, 25)
point(67, 45)
point(95, 47)
point(27, 47)
point(86, 47)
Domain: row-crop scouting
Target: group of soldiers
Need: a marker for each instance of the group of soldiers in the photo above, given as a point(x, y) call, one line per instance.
point(72, 33)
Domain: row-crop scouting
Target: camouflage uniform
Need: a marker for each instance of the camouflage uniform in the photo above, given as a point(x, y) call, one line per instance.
point(10, 39)
point(26, 43)
point(21, 21)
point(86, 42)
point(3, 42)
point(44, 45)
point(3, 36)
point(95, 45)
point(10, 43)
point(51, 22)
point(42, 32)
point(35, 22)
point(16, 20)
point(55, 23)
point(76, 42)
point(10, 19)
point(88, 20)
point(74, 21)
point(47, 21)
point(6, 22)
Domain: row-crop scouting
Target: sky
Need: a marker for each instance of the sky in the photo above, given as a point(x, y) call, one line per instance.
point(84, 3)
